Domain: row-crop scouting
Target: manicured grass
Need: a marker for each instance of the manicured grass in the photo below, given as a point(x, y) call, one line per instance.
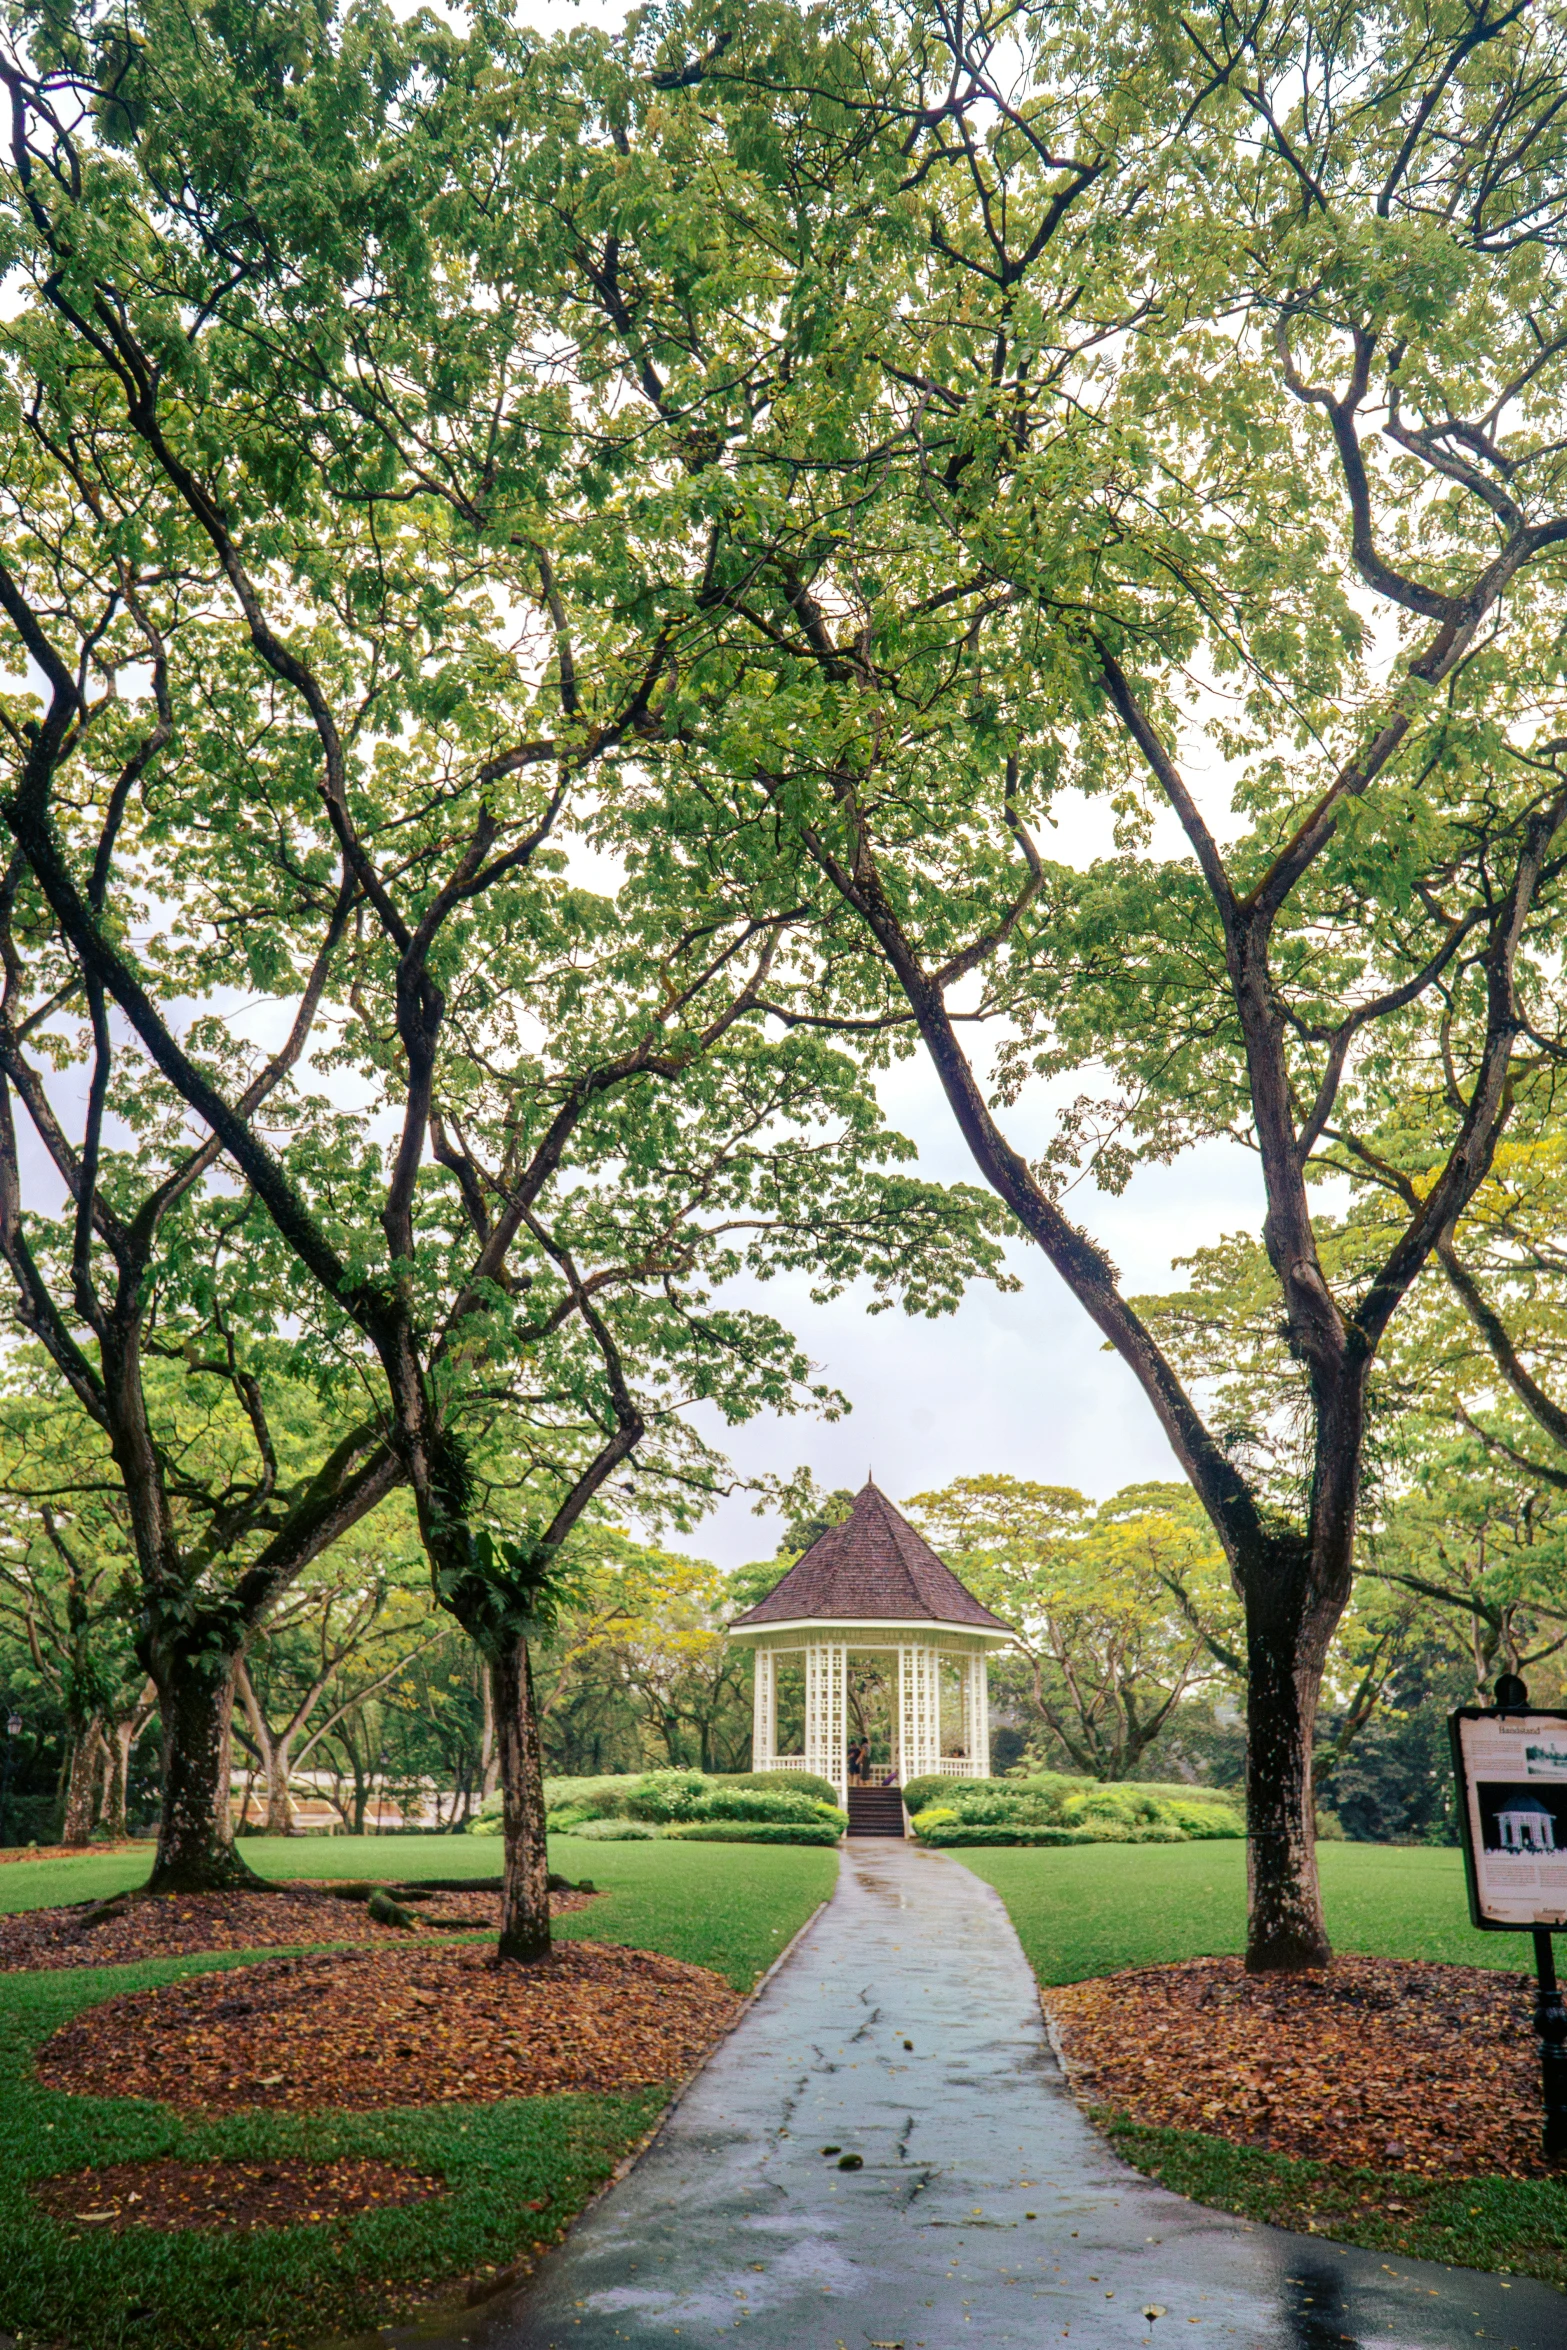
point(1089, 1909)
point(39, 1884)
point(1516, 2225)
point(1092, 1909)
point(731, 1907)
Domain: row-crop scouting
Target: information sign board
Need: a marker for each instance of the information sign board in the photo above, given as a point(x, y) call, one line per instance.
point(1512, 1813)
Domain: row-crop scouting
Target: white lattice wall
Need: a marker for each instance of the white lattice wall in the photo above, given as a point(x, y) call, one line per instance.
point(919, 1711)
point(976, 1716)
point(826, 1741)
point(764, 1711)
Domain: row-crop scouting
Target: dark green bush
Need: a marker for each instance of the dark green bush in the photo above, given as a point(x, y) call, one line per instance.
point(920, 1794)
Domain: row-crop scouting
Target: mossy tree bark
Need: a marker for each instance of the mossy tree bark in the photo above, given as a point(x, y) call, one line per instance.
point(525, 1897)
point(196, 1850)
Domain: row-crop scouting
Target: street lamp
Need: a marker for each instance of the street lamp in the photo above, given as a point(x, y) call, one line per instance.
point(13, 1731)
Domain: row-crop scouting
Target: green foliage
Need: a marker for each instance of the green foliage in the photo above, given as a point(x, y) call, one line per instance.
point(742, 1831)
point(590, 1831)
point(796, 1783)
point(1121, 1613)
point(766, 1803)
point(1052, 1789)
point(1053, 1810)
point(665, 1799)
point(666, 1795)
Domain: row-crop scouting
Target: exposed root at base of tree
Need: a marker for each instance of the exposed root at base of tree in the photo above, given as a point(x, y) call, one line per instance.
point(1370, 2063)
point(358, 2031)
point(169, 2195)
point(279, 1917)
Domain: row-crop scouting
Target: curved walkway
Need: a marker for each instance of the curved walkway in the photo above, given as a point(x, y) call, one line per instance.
point(905, 2029)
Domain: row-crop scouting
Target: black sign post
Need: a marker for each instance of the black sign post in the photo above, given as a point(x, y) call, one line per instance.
point(1510, 1761)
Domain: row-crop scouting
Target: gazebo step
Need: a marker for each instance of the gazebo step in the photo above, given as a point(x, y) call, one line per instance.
point(875, 1811)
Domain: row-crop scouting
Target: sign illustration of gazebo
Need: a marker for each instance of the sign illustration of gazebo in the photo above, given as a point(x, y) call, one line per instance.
point(872, 1585)
point(1527, 1825)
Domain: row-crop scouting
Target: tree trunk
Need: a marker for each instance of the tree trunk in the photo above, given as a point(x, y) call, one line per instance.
point(525, 1899)
point(196, 1833)
point(81, 1788)
point(1285, 1647)
point(280, 1805)
point(489, 1751)
point(117, 1774)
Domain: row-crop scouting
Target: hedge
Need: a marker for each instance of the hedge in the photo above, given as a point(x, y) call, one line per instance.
point(754, 1832)
point(959, 1832)
point(1059, 1787)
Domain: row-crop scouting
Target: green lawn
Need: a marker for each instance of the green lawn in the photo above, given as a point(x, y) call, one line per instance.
point(37, 1884)
point(1091, 1909)
point(1088, 1909)
point(731, 1907)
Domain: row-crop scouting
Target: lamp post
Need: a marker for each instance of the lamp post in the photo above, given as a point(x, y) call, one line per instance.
point(13, 1731)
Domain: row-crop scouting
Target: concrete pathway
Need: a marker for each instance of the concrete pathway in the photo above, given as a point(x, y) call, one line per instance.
point(905, 2030)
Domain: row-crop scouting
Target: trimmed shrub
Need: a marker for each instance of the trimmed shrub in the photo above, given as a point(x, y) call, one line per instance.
point(797, 1783)
point(921, 1793)
point(758, 1831)
point(1206, 1819)
point(1053, 1810)
point(762, 1803)
point(954, 1832)
point(613, 1831)
point(665, 1795)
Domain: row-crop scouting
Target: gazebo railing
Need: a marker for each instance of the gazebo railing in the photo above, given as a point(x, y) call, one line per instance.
point(951, 1766)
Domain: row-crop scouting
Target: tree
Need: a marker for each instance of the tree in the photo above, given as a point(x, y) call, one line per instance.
point(343, 1635)
point(66, 1593)
point(1137, 416)
point(352, 528)
point(1120, 1612)
point(1475, 1539)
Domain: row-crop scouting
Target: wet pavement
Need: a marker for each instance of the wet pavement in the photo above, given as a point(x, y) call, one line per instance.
point(904, 2034)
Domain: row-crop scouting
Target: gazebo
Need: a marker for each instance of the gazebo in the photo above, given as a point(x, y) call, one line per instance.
point(873, 1585)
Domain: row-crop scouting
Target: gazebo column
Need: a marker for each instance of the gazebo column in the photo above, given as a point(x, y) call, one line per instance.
point(764, 1711)
point(919, 1711)
point(826, 1740)
point(976, 1715)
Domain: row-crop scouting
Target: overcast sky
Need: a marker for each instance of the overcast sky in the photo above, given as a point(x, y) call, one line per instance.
point(1019, 1384)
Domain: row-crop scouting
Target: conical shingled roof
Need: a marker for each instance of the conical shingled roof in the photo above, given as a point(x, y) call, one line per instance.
point(873, 1568)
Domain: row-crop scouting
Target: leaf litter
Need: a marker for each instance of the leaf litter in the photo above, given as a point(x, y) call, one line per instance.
point(169, 1925)
point(359, 2030)
point(1368, 2063)
point(169, 2195)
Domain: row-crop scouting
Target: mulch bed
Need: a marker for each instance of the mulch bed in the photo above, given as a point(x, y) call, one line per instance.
point(12, 1852)
point(357, 2030)
point(169, 2195)
point(1372, 2062)
point(174, 1925)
